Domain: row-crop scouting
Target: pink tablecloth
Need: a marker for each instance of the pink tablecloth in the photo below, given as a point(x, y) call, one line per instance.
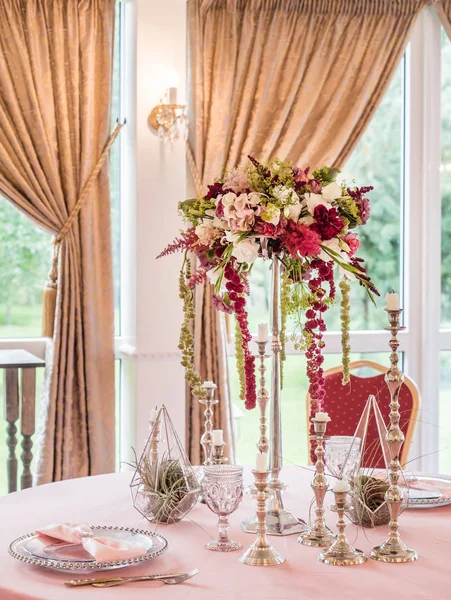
point(105, 500)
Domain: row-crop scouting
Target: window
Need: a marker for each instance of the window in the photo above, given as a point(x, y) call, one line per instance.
point(401, 246)
point(25, 260)
point(367, 166)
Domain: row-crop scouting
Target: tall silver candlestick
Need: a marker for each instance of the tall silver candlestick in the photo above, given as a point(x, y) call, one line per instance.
point(262, 397)
point(319, 534)
point(207, 437)
point(279, 520)
point(394, 550)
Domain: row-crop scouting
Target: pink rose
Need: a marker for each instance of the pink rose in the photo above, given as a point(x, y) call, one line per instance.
point(353, 242)
point(236, 181)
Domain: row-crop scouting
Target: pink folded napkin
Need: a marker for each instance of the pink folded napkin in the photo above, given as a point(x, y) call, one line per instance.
point(103, 549)
point(442, 486)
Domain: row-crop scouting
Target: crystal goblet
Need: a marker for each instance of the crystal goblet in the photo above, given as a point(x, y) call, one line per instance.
point(223, 492)
point(342, 455)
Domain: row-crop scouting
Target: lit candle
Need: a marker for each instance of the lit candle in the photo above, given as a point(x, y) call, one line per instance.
point(217, 437)
point(172, 95)
point(341, 487)
point(262, 332)
point(261, 465)
point(392, 301)
point(209, 385)
point(322, 416)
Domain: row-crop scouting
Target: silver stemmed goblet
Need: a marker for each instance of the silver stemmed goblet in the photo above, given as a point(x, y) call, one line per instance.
point(223, 492)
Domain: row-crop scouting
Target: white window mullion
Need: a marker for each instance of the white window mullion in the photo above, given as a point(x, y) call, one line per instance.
point(423, 227)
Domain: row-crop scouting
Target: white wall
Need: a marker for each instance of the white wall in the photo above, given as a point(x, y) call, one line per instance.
point(154, 182)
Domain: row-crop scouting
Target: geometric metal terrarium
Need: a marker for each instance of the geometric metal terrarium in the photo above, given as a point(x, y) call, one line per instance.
point(164, 486)
point(368, 507)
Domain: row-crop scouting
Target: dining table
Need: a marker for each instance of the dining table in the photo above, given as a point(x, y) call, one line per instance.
point(106, 500)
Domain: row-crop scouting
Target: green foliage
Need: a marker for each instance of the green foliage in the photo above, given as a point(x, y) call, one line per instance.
point(25, 259)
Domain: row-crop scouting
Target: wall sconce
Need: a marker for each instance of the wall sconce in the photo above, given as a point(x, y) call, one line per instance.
point(169, 119)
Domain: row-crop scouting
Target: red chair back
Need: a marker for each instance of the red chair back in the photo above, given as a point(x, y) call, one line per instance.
point(345, 404)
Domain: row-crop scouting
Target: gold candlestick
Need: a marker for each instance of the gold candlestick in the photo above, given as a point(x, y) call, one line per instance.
point(319, 535)
point(261, 553)
point(207, 437)
point(394, 550)
point(217, 454)
point(341, 552)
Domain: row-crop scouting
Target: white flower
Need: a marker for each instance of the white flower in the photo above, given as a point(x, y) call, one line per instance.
point(232, 237)
point(331, 192)
point(334, 244)
point(292, 211)
point(213, 275)
point(253, 199)
point(246, 251)
point(285, 195)
point(207, 233)
point(314, 200)
point(271, 214)
point(228, 199)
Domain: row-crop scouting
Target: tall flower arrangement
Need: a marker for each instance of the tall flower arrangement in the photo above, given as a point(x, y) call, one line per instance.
point(280, 212)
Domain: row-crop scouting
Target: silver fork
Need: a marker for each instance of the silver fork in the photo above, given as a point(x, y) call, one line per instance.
point(169, 578)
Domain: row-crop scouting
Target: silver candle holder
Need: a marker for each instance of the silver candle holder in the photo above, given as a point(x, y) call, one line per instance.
point(319, 535)
point(280, 521)
point(153, 455)
point(394, 550)
point(262, 397)
point(341, 552)
point(261, 553)
point(217, 454)
point(206, 440)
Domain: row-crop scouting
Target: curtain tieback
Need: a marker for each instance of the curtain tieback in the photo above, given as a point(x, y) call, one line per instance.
point(50, 291)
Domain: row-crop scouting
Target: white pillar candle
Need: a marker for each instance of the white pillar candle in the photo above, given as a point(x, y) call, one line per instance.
point(217, 437)
point(209, 385)
point(392, 301)
point(261, 464)
point(341, 486)
point(322, 416)
point(262, 332)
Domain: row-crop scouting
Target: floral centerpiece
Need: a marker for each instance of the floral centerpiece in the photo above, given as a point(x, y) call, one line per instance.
point(284, 213)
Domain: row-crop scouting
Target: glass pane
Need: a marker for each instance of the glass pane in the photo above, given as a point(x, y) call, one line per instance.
point(444, 457)
point(377, 161)
point(25, 261)
point(294, 415)
point(115, 174)
point(3, 447)
point(445, 181)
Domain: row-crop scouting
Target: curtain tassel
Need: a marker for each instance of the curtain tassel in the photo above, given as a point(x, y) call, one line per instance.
point(49, 299)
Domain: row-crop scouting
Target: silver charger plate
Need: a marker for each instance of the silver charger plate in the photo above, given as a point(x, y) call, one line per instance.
point(419, 498)
point(54, 554)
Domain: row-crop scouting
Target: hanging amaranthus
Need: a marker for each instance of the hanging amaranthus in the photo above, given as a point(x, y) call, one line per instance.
point(345, 317)
point(284, 310)
point(186, 341)
point(239, 355)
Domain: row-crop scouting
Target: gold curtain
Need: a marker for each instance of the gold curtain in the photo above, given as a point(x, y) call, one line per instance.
point(55, 89)
point(443, 8)
point(297, 79)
